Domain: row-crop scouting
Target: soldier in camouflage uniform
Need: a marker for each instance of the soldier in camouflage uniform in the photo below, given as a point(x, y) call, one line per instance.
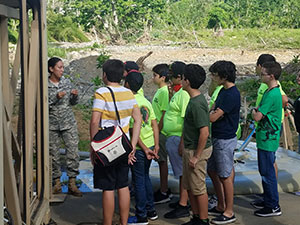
point(62, 125)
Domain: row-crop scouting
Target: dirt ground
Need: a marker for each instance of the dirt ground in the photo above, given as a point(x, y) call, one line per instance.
point(203, 56)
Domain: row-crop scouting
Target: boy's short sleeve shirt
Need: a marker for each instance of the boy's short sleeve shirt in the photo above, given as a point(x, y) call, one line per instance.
point(160, 102)
point(229, 101)
point(262, 89)
point(174, 116)
point(125, 102)
point(268, 128)
point(146, 133)
point(196, 117)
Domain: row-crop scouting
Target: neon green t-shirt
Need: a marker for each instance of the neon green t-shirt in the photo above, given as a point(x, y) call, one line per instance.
point(148, 115)
point(141, 92)
point(174, 116)
point(261, 90)
point(214, 96)
point(160, 102)
point(268, 128)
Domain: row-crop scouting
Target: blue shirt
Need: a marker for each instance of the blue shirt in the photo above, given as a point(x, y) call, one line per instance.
point(229, 101)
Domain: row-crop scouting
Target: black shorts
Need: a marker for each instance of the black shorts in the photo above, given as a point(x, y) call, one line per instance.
point(111, 177)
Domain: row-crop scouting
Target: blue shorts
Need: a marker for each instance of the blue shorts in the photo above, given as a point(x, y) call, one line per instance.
point(172, 145)
point(221, 160)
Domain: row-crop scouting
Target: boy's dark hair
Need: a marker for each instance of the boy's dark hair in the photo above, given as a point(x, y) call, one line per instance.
point(114, 69)
point(135, 80)
point(224, 69)
point(52, 62)
point(263, 58)
point(162, 70)
point(177, 69)
point(273, 68)
point(131, 65)
point(195, 74)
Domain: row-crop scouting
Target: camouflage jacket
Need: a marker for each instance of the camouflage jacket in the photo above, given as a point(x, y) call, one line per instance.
point(61, 116)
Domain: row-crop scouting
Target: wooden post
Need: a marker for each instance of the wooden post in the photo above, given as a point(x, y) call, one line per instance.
point(287, 134)
point(43, 101)
point(10, 188)
point(284, 137)
point(25, 198)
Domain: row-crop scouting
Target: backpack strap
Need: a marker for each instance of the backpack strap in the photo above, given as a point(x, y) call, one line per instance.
point(113, 97)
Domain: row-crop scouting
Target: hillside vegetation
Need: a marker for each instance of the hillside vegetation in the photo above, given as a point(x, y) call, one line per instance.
point(198, 23)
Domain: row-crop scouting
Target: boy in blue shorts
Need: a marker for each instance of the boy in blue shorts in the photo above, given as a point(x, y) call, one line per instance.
point(224, 118)
point(160, 103)
point(146, 150)
point(172, 127)
point(268, 114)
point(197, 144)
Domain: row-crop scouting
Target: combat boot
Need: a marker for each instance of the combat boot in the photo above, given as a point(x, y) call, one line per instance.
point(72, 188)
point(57, 186)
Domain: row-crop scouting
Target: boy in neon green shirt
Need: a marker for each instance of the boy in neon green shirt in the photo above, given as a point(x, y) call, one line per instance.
point(146, 150)
point(172, 127)
point(160, 103)
point(161, 98)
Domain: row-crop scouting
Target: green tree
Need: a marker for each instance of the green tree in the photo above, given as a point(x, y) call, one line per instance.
point(219, 16)
point(62, 28)
point(114, 17)
point(188, 14)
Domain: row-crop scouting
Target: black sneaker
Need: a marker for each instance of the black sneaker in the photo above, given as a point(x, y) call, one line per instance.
point(179, 212)
point(196, 221)
point(174, 205)
point(169, 193)
point(160, 197)
point(136, 220)
point(265, 212)
point(152, 215)
point(192, 221)
point(214, 212)
point(223, 219)
point(258, 204)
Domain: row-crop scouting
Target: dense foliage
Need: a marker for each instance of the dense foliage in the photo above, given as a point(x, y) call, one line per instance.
point(173, 20)
point(131, 19)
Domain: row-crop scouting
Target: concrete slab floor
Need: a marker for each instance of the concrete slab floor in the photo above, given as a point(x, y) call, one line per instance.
point(87, 211)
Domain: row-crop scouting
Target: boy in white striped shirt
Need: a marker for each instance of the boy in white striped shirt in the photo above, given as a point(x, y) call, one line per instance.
point(114, 177)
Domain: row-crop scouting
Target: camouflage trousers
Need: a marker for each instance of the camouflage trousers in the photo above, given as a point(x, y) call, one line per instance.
point(70, 139)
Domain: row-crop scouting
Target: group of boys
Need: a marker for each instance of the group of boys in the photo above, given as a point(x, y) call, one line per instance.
point(177, 126)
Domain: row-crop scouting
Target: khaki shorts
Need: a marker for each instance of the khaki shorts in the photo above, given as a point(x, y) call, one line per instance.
point(194, 179)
